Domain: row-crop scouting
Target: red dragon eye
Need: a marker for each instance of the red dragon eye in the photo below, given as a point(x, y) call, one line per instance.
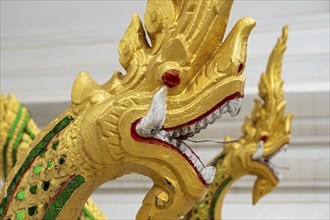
point(171, 78)
point(240, 68)
point(264, 138)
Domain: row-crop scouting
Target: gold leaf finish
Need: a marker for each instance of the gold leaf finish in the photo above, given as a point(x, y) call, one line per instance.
point(95, 139)
point(9, 110)
point(268, 124)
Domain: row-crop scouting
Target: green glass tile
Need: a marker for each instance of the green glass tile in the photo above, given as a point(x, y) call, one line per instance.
point(20, 195)
point(55, 145)
point(20, 215)
point(217, 194)
point(32, 210)
point(49, 164)
point(65, 195)
point(33, 189)
point(42, 152)
point(37, 169)
point(59, 203)
point(201, 205)
point(52, 133)
point(203, 214)
point(53, 212)
point(81, 179)
point(47, 138)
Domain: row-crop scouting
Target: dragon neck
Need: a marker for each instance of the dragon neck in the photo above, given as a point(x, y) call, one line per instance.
point(47, 178)
point(211, 206)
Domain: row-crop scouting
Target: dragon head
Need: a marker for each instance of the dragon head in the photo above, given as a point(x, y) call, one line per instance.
point(267, 132)
point(176, 84)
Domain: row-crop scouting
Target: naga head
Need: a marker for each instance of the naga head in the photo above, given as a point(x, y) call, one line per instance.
point(267, 132)
point(184, 78)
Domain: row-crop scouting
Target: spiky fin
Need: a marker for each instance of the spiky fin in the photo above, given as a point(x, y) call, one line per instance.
point(86, 91)
point(271, 92)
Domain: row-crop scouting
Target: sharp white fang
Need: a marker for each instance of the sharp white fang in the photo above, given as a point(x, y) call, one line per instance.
point(203, 123)
point(210, 119)
point(258, 154)
point(182, 147)
point(224, 108)
point(174, 142)
point(208, 174)
point(184, 130)
point(155, 118)
point(234, 106)
point(217, 113)
point(190, 129)
point(176, 134)
point(197, 127)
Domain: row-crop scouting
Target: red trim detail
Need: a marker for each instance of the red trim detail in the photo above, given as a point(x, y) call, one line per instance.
point(63, 185)
point(240, 68)
point(231, 97)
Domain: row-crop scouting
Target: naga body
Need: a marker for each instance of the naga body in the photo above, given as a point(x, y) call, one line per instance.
point(137, 122)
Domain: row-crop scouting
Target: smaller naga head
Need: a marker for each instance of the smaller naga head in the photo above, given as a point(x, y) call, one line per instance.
point(267, 132)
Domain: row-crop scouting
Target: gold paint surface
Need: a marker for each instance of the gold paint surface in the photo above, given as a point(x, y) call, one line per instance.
point(99, 145)
point(268, 119)
point(9, 106)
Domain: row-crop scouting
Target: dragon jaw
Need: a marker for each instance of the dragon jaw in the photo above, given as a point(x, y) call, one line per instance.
point(266, 159)
point(268, 176)
point(150, 129)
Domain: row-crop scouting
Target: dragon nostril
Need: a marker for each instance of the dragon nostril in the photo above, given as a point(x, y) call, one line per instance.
point(171, 78)
point(240, 69)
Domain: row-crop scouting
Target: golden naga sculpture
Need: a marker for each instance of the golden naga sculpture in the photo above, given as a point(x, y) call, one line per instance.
point(136, 123)
point(265, 134)
point(229, 165)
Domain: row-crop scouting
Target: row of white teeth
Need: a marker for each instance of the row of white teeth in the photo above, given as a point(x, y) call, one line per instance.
point(206, 172)
point(258, 156)
point(151, 126)
point(232, 107)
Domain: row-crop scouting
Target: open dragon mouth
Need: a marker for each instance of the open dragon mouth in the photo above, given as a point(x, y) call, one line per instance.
point(174, 137)
point(266, 160)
